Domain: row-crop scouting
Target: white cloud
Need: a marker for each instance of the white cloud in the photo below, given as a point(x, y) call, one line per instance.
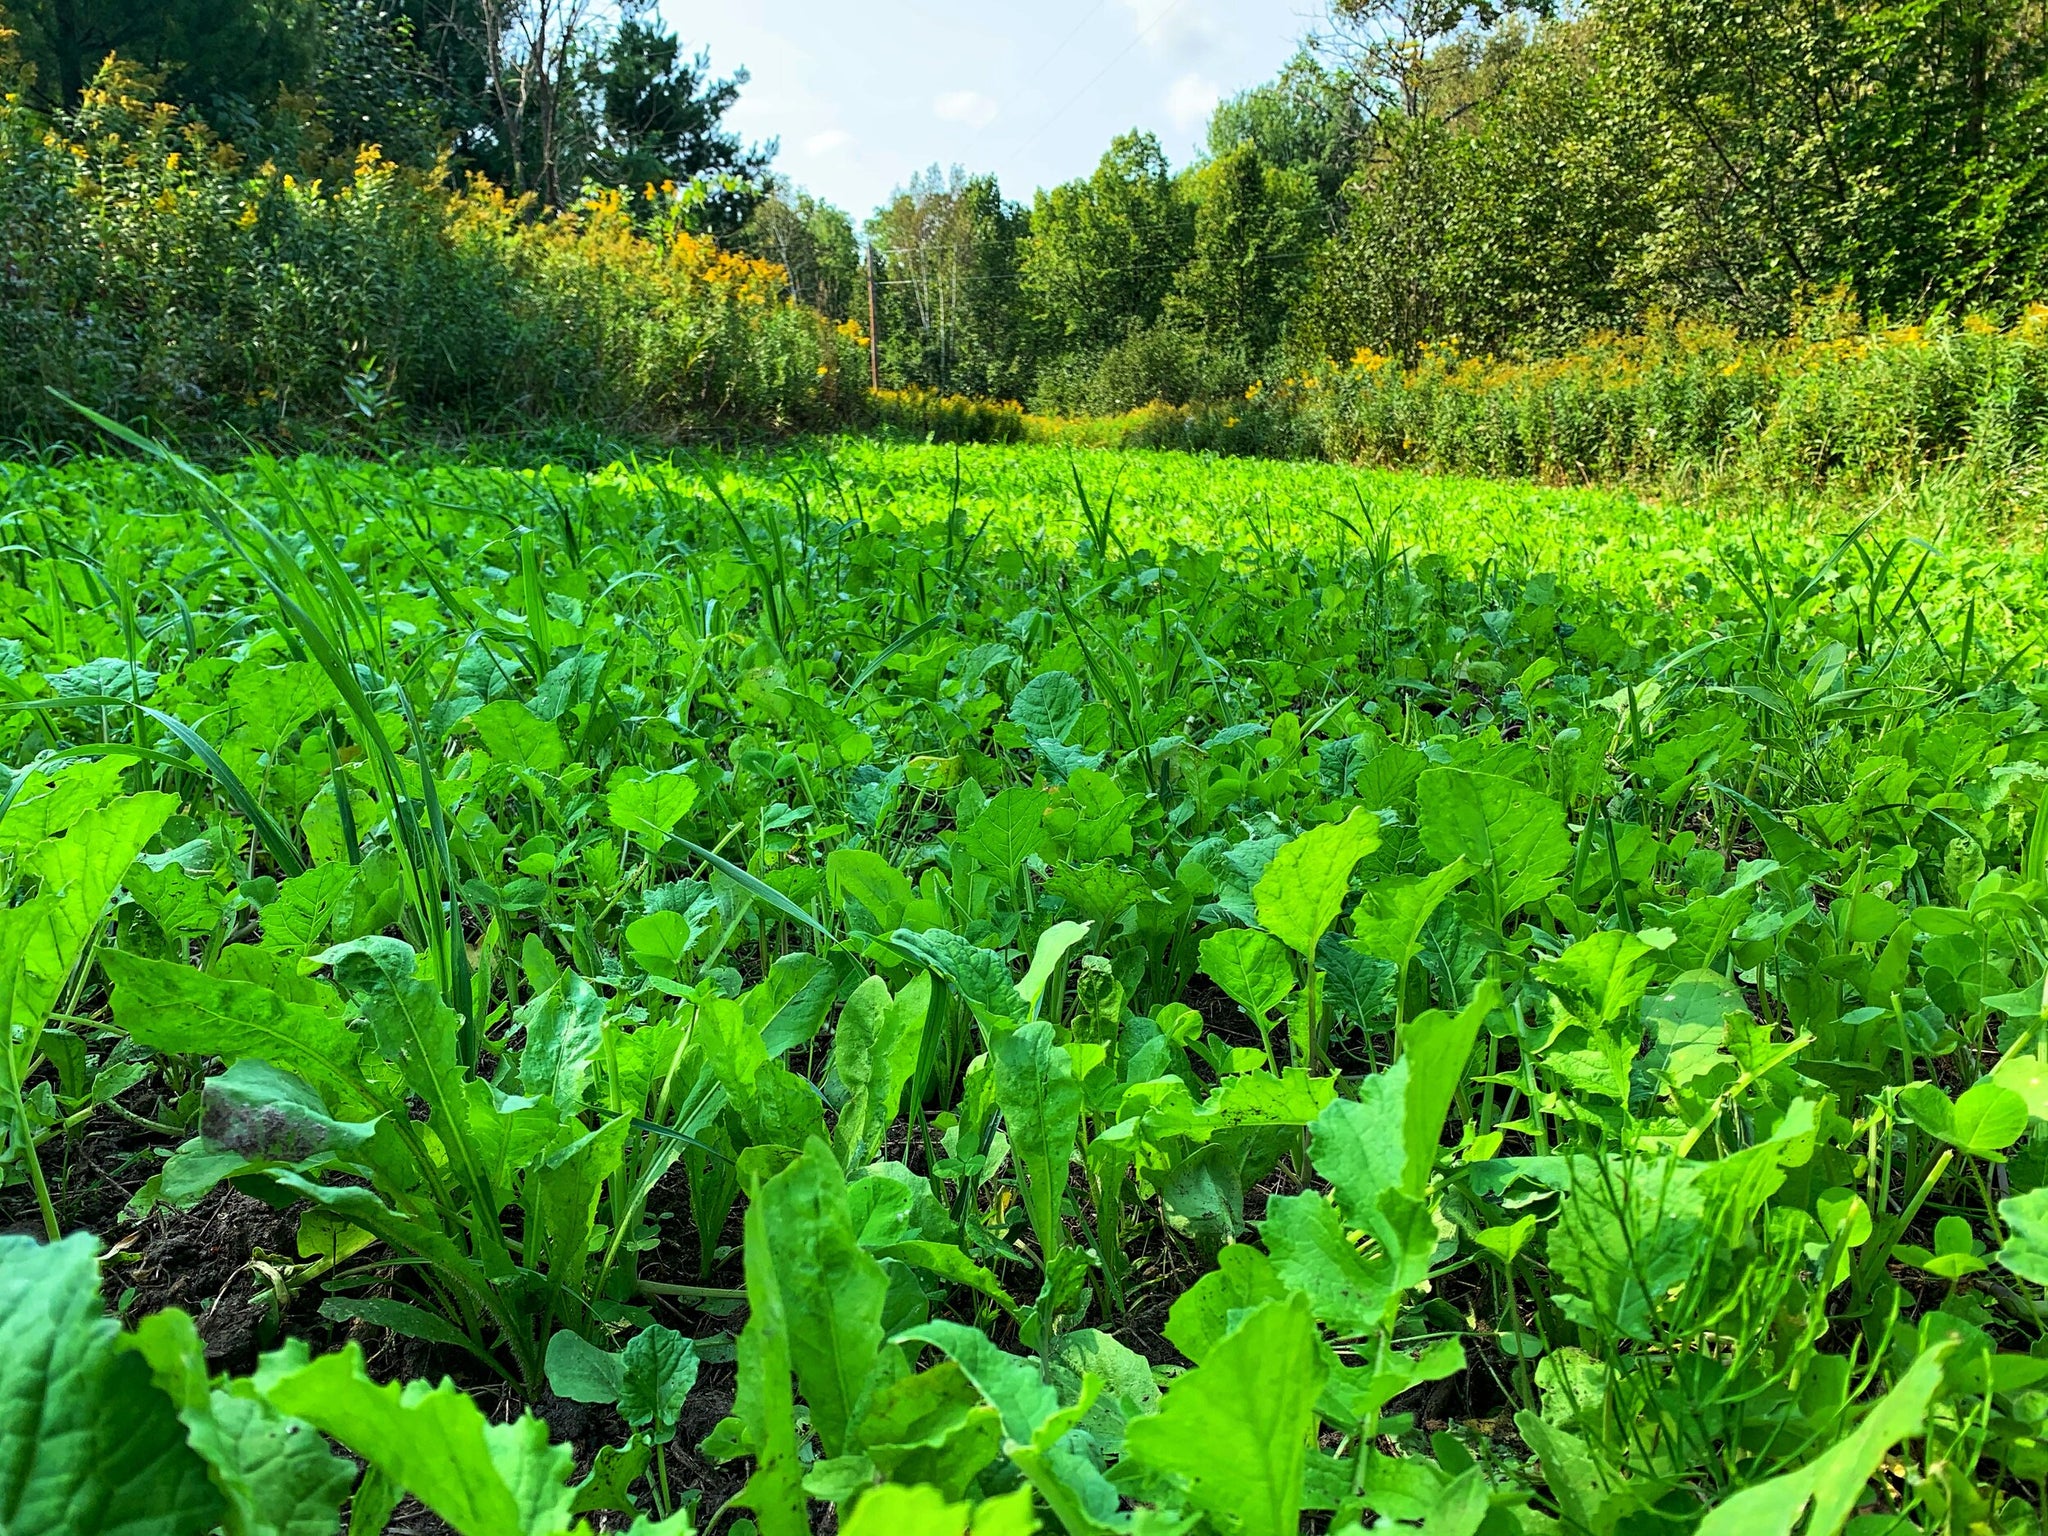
point(969, 107)
point(1190, 100)
point(827, 142)
point(1181, 29)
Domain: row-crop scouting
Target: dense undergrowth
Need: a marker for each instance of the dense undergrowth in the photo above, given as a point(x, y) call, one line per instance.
point(1153, 994)
point(148, 268)
point(1843, 411)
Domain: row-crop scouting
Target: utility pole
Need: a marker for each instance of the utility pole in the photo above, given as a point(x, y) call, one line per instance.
point(874, 350)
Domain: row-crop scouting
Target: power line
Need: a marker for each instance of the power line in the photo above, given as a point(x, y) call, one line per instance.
point(1275, 260)
point(1095, 79)
point(1061, 47)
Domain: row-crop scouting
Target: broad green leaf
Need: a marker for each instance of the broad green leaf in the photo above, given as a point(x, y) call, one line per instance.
point(871, 880)
point(1514, 837)
point(484, 1479)
point(509, 1135)
point(1243, 1278)
point(613, 1471)
point(1052, 948)
point(1251, 967)
point(1304, 887)
point(181, 1011)
point(949, 1263)
point(1314, 1254)
point(270, 702)
point(918, 1509)
point(89, 1446)
point(415, 1030)
point(1009, 830)
point(1129, 1389)
point(1507, 1242)
point(2026, 1245)
point(48, 801)
point(277, 1477)
point(980, 976)
point(363, 1209)
point(1101, 892)
point(1986, 1120)
point(1012, 1386)
point(1584, 1488)
point(2027, 1076)
point(409, 1024)
point(1602, 978)
point(1358, 1394)
point(1202, 1195)
point(650, 805)
point(874, 1054)
point(513, 734)
point(1048, 706)
point(906, 1509)
point(827, 1289)
point(580, 1371)
point(1261, 1098)
point(75, 876)
point(933, 1427)
point(564, 1032)
point(256, 1110)
point(1628, 1234)
point(792, 1003)
point(732, 1046)
point(561, 1201)
point(1391, 914)
point(1233, 1432)
point(1828, 1489)
point(659, 942)
point(1387, 1138)
point(1006, 1514)
point(297, 921)
point(1437, 1047)
point(1041, 1103)
point(765, 1402)
point(656, 1371)
point(184, 905)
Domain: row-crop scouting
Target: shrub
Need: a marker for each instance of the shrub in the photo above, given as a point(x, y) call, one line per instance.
point(1157, 363)
point(148, 270)
point(1847, 407)
point(925, 413)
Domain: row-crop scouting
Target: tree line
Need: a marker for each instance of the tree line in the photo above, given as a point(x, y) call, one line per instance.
point(1507, 179)
point(1502, 178)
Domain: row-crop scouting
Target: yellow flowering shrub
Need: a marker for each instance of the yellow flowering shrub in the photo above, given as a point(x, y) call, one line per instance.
point(1835, 402)
point(146, 269)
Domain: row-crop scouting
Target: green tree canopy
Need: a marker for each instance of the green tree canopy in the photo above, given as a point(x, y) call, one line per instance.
point(815, 243)
point(1103, 253)
point(948, 248)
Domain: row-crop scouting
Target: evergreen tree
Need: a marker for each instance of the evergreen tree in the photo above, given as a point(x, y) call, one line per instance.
point(224, 58)
point(660, 118)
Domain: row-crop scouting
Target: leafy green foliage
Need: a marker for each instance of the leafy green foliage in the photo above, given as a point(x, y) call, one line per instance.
point(88, 1444)
point(1596, 1011)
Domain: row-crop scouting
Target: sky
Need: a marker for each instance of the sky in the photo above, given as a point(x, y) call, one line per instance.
point(862, 95)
